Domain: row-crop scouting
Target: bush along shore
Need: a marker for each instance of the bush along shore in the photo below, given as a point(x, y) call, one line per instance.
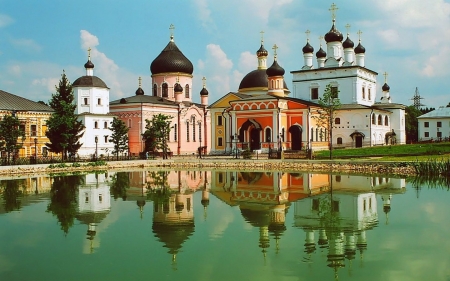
point(390, 168)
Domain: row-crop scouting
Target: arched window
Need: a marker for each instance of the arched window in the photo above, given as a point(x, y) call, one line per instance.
point(268, 134)
point(199, 131)
point(175, 131)
point(337, 121)
point(186, 91)
point(370, 97)
point(373, 119)
point(155, 90)
point(321, 134)
point(129, 123)
point(379, 120)
point(312, 134)
point(165, 90)
point(363, 93)
point(386, 121)
point(339, 140)
point(96, 125)
point(105, 125)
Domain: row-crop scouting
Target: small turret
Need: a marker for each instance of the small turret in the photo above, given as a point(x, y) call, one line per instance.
point(89, 65)
point(204, 93)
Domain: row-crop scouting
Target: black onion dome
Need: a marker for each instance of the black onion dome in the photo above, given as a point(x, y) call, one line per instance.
point(89, 64)
point(262, 52)
point(275, 70)
point(308, 48)
point(348, 43)
point(89, 81)
point(333, 35)
point(256, 79)
point(321, 53)
point(171, 59)
point(178, 88)
point(204, 92)
point(385, 87)
point(360, 49)
point(139, 92)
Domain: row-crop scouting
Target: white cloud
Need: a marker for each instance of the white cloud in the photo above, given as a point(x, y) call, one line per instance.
point(204, 14)
point(5, 20)
point(247, 62)
point(26, 44)
point(48, 83)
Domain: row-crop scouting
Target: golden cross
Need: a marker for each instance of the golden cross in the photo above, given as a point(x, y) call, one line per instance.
point(333, 10)
point(89, 52)
point(262, 37)
point(359, 34)
point(307, 35)
point(385, 76)
point(140, 80)
point(347, 26)
point(320, 40)
point(204, 82)
point(275, 47)
point(172, 27)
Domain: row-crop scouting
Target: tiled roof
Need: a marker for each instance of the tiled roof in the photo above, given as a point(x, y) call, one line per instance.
point(9, 101)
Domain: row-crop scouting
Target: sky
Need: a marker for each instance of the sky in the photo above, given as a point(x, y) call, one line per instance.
point(407, 39)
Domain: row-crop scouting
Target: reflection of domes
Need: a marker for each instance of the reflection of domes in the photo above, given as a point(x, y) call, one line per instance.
point(171, 59)
point(256, 79)
point(277, 229)
point(173, 235)
point(89, 81)
point(256, 218)
point(91, 217)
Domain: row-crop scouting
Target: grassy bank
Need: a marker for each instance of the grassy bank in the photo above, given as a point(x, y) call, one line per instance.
point(407, 152)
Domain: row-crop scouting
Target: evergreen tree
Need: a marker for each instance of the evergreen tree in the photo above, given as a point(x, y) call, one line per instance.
point(119, 136)
point(411, 123)
point(63, 128)
point(329, 104)
point(10, 134)
point(157, 133)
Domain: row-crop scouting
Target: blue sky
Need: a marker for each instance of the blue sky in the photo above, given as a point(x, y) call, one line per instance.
point(408, 39)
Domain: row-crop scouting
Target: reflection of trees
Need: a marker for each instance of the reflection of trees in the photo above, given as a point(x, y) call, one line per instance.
point(251, 177)
point(63, 200)
point(158, 187)
point(120, 182)
point(12, 194)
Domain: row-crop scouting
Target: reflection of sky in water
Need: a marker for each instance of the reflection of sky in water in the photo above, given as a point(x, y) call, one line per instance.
point(408, 243)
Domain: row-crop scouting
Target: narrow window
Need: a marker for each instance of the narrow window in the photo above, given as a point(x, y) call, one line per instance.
point(386, 121)
point(220, 177)
point(99, 101)
point(193, 128)
point(129, 123)
point(363, 93)
point(200, 132)
point(96, 125)
point(33, 129)
point(165, 90)
point(186, 91)
point(100, 198)
point(373, 119)
point(379, 120)
point(268, 134)
point(86, 101)
point(334, 92)
point(219, 120)
point(312, 134)
point(187, 131)
point(337, 121)
point(369, 94)
point(175, 131)
point(105, 125)
point(155, 90)
point(106, 139)
point(188, 204)
point(314, 93)
point(220, 141)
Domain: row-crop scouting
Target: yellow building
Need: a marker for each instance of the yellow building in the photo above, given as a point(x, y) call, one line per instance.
point(33, 118)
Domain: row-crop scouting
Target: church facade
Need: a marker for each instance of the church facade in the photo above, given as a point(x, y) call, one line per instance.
point(264, 114)
point(172, 95)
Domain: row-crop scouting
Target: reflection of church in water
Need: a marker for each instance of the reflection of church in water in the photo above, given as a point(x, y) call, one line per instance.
point(335, 211)
point(94, 204)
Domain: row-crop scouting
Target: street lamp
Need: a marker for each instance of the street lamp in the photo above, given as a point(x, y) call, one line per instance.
point(35, 150)
point(96, 142)
point(236, 137)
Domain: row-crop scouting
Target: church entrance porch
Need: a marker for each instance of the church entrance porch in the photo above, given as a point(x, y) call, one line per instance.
point(296, 137)
point(251, 130)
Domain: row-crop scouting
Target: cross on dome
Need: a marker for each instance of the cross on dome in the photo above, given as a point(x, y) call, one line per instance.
point(385, 74)
point(307, 35)
point(140, 81)
point(262, 37)
point(204, 81)
point(347, 26)
point(274, 48)
point(171, 28)
point(359, 35)
point(333, 10)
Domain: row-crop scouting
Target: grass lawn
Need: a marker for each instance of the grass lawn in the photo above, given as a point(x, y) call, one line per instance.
point(407, 152)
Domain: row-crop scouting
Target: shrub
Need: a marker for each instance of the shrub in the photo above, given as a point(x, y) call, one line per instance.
point(247, 154)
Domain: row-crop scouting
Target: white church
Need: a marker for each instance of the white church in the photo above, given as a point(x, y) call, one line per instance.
point(92, 100)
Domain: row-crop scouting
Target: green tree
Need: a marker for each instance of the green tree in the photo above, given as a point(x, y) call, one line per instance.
point(119, 136)
point(10, 134)
point(12, 194)
point(63, 200)
point(411, 123)
point(329, 104)
point(157, 133)
point(119, 185)
point(63, 128)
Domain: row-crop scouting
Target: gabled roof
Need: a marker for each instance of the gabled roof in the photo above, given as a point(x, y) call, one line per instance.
point(11, 102)
point(229, 96)
point(441, 112)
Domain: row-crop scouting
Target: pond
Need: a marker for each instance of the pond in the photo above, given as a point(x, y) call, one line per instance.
point(223, 225)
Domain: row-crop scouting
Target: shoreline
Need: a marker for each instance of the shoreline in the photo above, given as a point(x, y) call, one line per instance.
point(289, 165)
